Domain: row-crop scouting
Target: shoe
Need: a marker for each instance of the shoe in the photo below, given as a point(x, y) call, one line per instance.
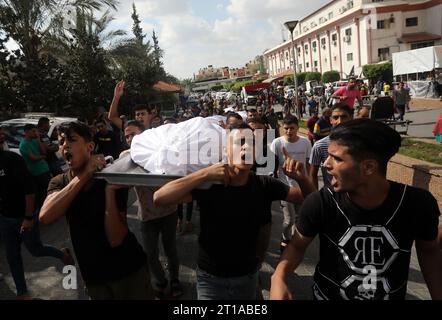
point(67, 257)
point(176, 290)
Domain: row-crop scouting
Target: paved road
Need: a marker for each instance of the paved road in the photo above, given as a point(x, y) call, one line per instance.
point(45, 277)
point(423, 122)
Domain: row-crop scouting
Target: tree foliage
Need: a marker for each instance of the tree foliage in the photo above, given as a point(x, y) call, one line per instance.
point(382, 71)
point(330, 76)
point(68, 61)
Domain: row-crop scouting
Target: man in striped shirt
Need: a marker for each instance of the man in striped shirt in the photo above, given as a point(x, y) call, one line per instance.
point(340, 113)
point(322, 127)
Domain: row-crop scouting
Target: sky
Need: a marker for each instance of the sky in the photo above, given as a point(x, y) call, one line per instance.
point(198, 33)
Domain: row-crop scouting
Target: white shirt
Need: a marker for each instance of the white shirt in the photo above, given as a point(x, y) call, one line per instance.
point(299, 150)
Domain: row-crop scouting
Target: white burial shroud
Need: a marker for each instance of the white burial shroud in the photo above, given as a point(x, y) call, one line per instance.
point(179, 149)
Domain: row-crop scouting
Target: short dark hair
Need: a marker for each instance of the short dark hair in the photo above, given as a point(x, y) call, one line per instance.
point(99, 120)
point(143, 107)
point(368, 139)
point(77, 127)
point(290, 119)
point(29, 126)
point(233, 115)
point(238, 126)
point(344, 107)
point(352, 78)
point(255, 120)
point(252, 110)
point(135, 123)
point(42, 121)
point(170, 119)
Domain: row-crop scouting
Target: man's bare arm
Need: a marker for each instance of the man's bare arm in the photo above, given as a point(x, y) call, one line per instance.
point(179, 190)
point(428, 254)
point(114, 222)
point(290, 260)
point(113, 115)
point(58, 202)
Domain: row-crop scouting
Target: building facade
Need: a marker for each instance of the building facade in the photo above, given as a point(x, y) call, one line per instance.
point(345, 35)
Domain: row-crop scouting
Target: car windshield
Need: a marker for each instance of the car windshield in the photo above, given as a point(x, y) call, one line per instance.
point(14, 134)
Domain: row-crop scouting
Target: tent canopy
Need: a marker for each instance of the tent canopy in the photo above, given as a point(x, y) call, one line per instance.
point(417, 61)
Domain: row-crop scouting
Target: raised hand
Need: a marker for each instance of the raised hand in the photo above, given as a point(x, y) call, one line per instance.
point(292, 168)
point(119, 89)
point(96, 163)
point(219, 172)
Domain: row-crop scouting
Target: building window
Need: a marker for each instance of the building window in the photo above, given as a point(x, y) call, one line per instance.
point(286, 55)
point(349, 56)
point(335, 58)
point(323, 42)
point(315, 63)
point(307, 65)
point(330, 15)
point(411, 22)
point(334, 37)
point(381, 24)
point(383, 54)
point(419, 45)
point(348, 32)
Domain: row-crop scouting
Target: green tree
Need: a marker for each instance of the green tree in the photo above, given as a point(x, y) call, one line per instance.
point(330, 76)
point(136, 28)
point(382, 71)
point(36, 72)
point(157, 53)
point(313, 76)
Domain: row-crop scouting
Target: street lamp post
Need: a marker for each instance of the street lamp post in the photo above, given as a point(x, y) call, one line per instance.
point(291, 25)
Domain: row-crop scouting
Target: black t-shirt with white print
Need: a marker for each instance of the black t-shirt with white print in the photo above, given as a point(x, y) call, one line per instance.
point(365, 254)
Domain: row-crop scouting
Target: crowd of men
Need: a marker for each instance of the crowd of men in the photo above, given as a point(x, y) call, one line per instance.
point(366, 224)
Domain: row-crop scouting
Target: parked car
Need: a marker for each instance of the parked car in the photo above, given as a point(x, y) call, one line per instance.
point(14, 129)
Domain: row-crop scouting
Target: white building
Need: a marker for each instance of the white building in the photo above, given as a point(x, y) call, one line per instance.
point(351, 33)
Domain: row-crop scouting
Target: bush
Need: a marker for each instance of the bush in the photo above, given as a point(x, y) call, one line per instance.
point(330, 76)
point(376, 71)
point(301, 77)
point(288, 80)
point(313, 76)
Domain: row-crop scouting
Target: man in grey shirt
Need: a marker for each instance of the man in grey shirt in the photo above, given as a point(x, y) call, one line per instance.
point(401, 97)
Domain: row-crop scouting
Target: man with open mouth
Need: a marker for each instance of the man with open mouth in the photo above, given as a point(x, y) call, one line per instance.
point(111, 261)
point(366, 224)
point(235, 218)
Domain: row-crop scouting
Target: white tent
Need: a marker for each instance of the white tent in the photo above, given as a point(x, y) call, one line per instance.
point(417, 61)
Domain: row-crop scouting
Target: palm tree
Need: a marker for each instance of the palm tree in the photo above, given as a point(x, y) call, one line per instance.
point(27, 22)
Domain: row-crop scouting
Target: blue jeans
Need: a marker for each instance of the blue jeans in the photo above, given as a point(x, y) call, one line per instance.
point(11, 235)
point(210, 287)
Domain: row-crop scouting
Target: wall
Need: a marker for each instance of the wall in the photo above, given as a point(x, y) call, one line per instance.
point(417, 173)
